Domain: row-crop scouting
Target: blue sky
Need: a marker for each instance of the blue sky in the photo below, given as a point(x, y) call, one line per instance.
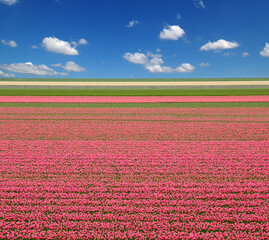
point(141, 39)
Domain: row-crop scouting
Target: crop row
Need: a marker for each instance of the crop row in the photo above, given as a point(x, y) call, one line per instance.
point(132, 99)
point(122, 189)
point(109, 130)
point(134, 124)
point(203, 111)
point(116, 173)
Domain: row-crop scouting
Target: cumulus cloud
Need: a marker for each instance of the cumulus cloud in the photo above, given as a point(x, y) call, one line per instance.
point(184, 68)
point(10, 43)
point(199, 4)
point(53, 44)
point(136, 58)
point(2, 74)
point(173, 32)
point(204, 64)
point(82, 41)
point(221, 44)
point(158, 68)
point(9, 2)
point(29, 68)
point(70, 67)
point(265, 51)
point(154, 63)
point(132, 23)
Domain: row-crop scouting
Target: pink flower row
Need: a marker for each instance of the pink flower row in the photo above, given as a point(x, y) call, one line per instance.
point(145, 190)
point(197, 111)
point(134, 124)
point(125, 186)
point(131, 99)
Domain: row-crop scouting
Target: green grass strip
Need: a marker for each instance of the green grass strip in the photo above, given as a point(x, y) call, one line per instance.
point(139, 105)
point(133, 92)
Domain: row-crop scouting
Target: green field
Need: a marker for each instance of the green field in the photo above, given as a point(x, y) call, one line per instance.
point(131, 79)
point(139, 105)
point(133, 92)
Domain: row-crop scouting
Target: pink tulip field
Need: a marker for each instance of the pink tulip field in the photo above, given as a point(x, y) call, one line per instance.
point(134, 173)
point(133, 99)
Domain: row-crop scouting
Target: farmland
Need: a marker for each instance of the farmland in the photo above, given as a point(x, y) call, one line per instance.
point(134, 120)
point(187, 169)
point(64, 80)
point(134, 92)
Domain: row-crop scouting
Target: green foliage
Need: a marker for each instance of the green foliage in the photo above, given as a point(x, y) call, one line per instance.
point(134, 92)
point(133, 79)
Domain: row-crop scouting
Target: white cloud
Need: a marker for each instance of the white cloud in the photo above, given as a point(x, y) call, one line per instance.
point(82, 41)
point(132, 23)
point(199, 4)
point(154, 63)
point(56, 65)
point(136, 58)
point(265, 51)
point(172, 33)
point(53, 44)
point(245, 54)
point(29, 68)
point(70, 67)
point(34, 47)
point(2, 74)
point(219, 45)
point(158, 69)
point(152, 55)
point(185, 68)
point(9, 2)
point(204, 64)
point(10, 43)
point(178, 16)
point(158, 50)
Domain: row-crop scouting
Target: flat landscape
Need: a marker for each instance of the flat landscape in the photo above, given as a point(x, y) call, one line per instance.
point(134, 120)
point(136, 164)
point(137, 83)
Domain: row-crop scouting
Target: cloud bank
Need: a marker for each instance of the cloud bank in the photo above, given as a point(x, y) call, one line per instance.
point(154, 63)
point(29, 68)
point(2, 74)
point(221, 44)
